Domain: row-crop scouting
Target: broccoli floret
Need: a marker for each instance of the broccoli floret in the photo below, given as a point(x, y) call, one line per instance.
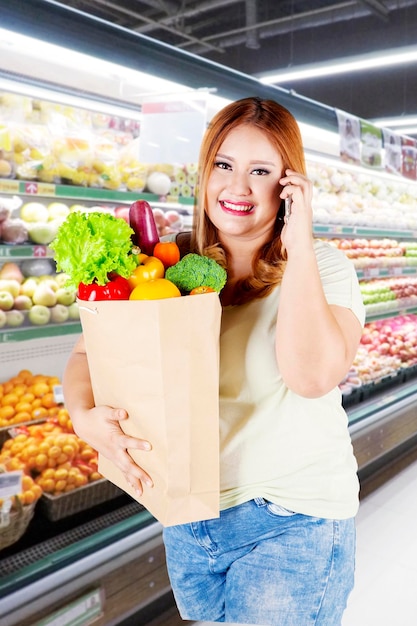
point(194, 271)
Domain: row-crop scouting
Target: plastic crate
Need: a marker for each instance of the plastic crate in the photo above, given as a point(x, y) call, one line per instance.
point(80, 499)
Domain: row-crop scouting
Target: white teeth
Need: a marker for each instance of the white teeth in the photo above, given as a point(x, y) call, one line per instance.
point(236, 207)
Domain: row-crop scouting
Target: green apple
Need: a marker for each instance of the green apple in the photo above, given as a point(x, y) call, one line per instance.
point(15, 318)
point(61, 279)
point(3, 318)
point(74, 312)
point(6, 300)
point(28, 287)
point(13, 286)
point(59, 313)
point(39, 315)
point(44, 294)
point(65, 295)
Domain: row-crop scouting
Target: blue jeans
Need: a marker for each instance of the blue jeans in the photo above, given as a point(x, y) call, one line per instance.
point(262, 564)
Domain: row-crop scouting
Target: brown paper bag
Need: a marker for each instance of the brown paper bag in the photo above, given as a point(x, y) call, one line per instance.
point(159, 360)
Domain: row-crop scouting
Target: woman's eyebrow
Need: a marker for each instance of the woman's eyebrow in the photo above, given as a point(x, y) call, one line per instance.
point(252, 161)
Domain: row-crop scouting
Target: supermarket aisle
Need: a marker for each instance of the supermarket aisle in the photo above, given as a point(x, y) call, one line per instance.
point(386, 578)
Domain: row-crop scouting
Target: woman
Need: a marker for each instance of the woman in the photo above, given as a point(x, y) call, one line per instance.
point(282, 551)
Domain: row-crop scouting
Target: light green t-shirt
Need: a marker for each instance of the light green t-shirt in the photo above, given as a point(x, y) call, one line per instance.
point(275, 444)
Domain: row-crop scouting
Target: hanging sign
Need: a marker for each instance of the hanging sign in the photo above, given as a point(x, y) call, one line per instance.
point(392, 152)
point(350, 137)
point(371, 144)
point(409, 157)
point(172, 129)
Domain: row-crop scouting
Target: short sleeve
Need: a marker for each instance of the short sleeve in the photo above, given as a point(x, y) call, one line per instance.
point(339, 279)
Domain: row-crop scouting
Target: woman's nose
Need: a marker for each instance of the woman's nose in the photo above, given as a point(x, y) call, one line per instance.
point(239, 184)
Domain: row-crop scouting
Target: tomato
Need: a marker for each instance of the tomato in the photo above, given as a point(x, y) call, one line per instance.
point(168, 252)
point(149, 268)
point(155, 290)
point(202, 289)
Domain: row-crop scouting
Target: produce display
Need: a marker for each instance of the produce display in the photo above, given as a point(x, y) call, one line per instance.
point(387, 348)
point(53, 458)
point(104, 258)
point(389, 294)
point(27, 397)
point(52, 143)
point(32, 294)
point(38, 222)
point(353, 197)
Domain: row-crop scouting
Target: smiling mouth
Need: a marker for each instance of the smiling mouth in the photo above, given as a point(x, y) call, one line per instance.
point(241, 208)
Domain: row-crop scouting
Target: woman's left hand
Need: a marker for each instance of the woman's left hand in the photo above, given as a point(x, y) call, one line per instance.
point(297, 230)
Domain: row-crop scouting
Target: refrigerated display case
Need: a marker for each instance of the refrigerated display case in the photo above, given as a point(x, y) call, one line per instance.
point(106, 561)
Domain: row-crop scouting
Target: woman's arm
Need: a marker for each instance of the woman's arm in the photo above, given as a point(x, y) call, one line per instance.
point(100, 426)
point(315, 342)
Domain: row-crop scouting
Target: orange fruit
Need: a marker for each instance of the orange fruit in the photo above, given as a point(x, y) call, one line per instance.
point(53, 381)
point(23, 406)
point(25, 374)
point(48, 400)
point(6, 412)
point(22, 416)
point(39, 389)
point(19, 390)
point(39, 413)
point(9, 399)
point(27, 397)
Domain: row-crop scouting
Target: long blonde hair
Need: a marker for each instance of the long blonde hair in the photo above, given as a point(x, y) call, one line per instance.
point(283, 132)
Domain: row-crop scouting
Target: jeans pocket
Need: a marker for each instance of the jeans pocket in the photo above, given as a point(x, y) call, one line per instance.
point(278, 510)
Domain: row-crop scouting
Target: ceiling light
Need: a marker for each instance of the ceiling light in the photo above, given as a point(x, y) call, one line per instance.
point(391, 122)
point(374, 60)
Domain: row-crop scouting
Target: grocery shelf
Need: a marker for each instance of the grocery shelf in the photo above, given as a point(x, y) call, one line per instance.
point(9, 334)
point(368, 273)
point(361, 231)
point(26, 251)
point(110, 541)
point(383, 427)
point(71, 192)
point(372, 315)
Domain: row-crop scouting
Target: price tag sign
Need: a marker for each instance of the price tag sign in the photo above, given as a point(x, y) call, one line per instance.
point(9, 186)
point(58, 394)
point(10, 483)
point(371, 272)
point(85, 610)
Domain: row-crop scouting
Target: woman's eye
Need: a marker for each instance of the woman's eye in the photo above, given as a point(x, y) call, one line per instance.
point(222, 165)
point(259, 171)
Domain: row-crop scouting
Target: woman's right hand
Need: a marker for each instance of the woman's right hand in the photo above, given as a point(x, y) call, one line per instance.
point(100, 427)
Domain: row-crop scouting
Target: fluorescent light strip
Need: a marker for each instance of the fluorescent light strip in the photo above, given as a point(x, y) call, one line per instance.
point(65, 57)
point(408, 130)
point(391, 122)
point(396, 56)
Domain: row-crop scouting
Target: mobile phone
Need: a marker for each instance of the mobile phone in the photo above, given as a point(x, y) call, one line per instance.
point(287, 207)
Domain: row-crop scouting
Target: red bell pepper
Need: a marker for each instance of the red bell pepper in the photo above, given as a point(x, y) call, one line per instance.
point(117, 288)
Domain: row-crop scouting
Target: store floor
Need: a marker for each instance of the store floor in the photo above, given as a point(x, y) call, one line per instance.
point(386, 562)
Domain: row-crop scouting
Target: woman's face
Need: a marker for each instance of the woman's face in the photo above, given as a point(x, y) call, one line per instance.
point(243, 188)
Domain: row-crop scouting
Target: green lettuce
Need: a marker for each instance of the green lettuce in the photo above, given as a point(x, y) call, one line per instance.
point(88, 246)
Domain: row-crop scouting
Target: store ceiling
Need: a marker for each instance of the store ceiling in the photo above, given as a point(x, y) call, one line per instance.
point(259, 36)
